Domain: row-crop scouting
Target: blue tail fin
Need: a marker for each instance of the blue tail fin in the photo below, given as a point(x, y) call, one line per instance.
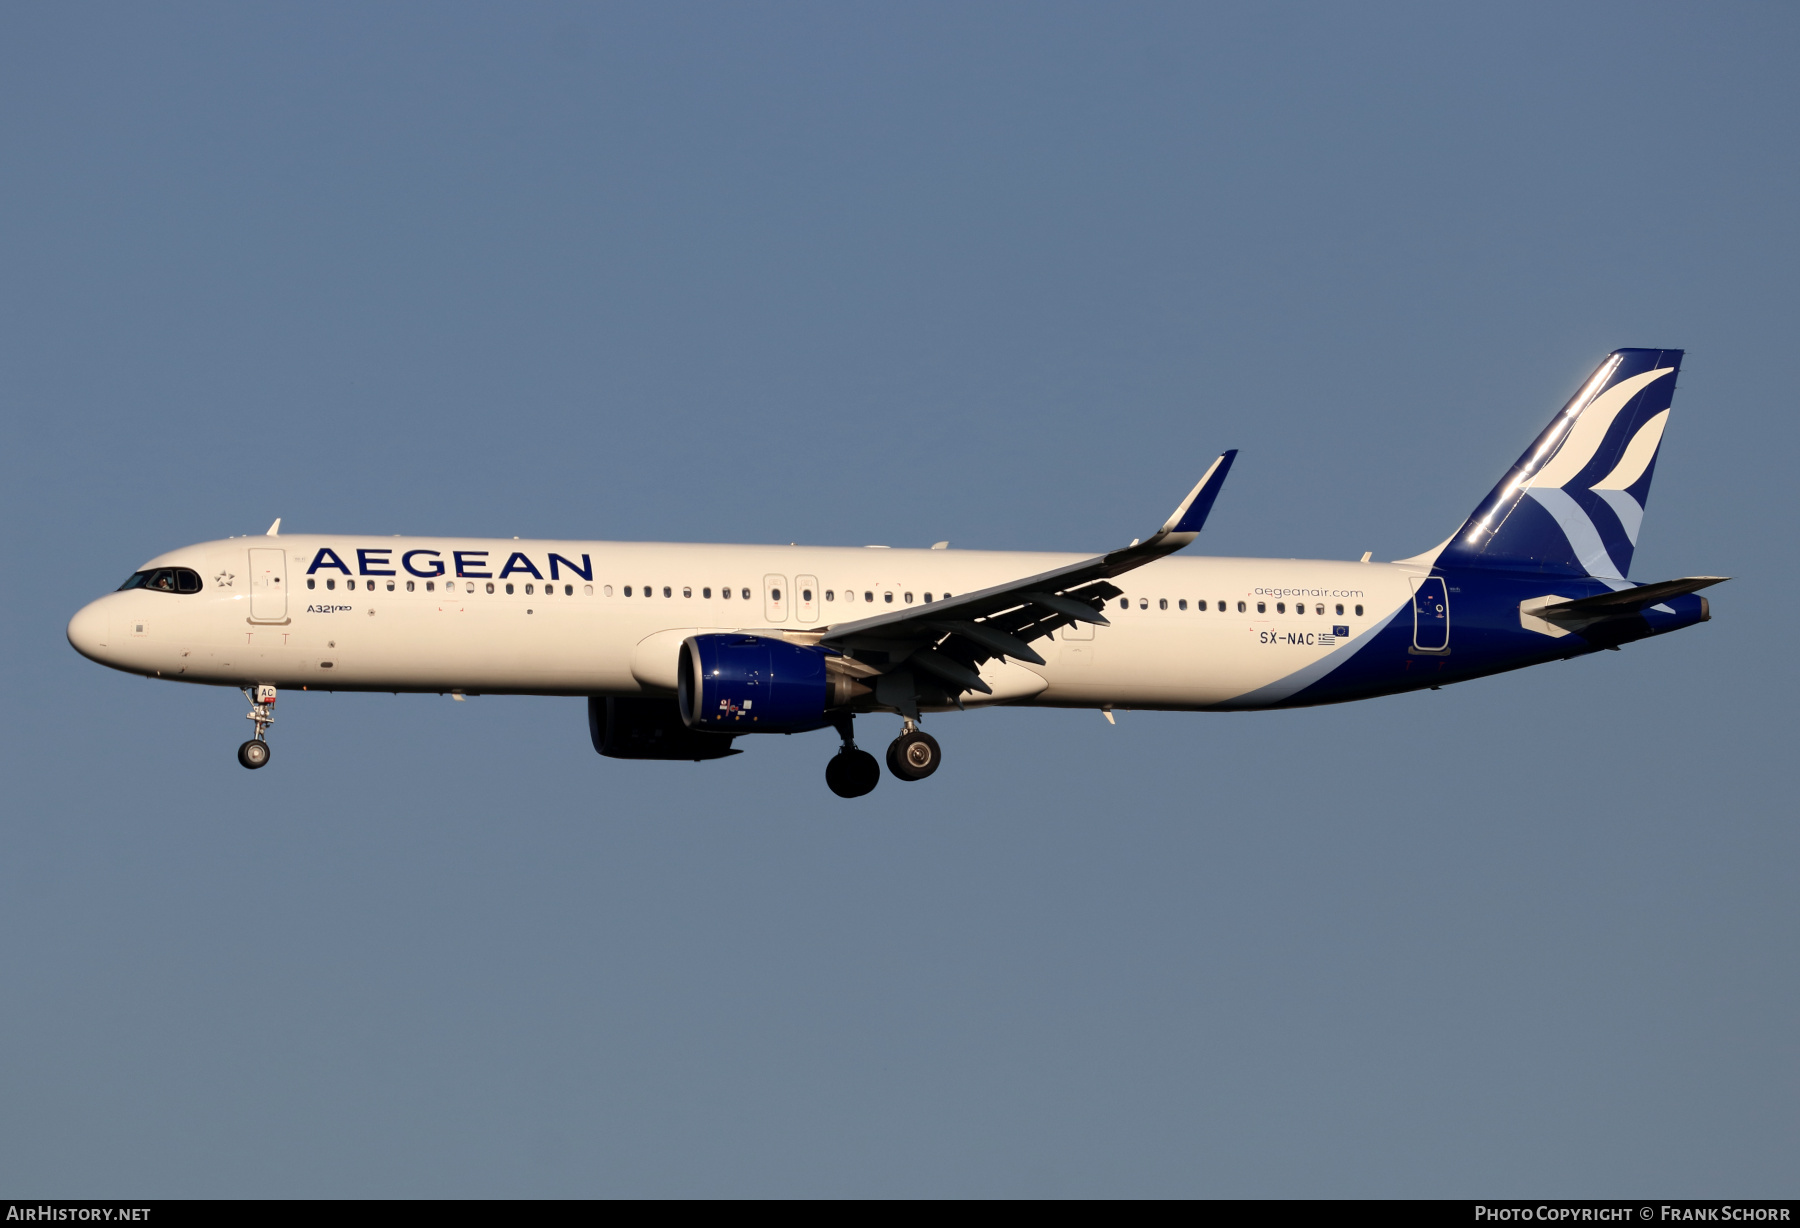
point(1574, 502)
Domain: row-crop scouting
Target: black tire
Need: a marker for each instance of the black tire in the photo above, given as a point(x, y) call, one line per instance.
point(914, 756)
point(865, 772)
point(253, 754)
point(852, 773)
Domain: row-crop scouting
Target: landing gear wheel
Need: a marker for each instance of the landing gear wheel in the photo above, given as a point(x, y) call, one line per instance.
point(253, 754)
point(852, 773)
point(914, 755)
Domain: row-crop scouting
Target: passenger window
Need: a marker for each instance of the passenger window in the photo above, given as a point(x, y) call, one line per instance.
point(868, 596)
point(330, 583)
point(490, 586)
point(1162, 603)
point(908, 597)
point(528, 590)
point(706, 593)
point(1319, 608)
point(310, 582)
point(1340, 607)
point(686, 591)
point(1143, 603)
point(1182, 604)
point(429, 585)
point(569, 590)
point(390, 586)
point(587, 590)
point(725, 593)
point(927, 598)
point(1359, 611)
point(1261, 607)
point(830, 595)
point(667, 591)
point(1280, 607)
point(745, 593)
point(1124, 603)
point(468, 586)
point(371, 586)
point(509, 589)
point(409, 586)
point(627, 590)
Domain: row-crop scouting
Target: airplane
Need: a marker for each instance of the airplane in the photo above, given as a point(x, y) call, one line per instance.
point(680, 649)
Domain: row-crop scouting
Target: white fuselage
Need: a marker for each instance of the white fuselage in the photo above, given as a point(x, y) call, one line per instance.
point(272, 612)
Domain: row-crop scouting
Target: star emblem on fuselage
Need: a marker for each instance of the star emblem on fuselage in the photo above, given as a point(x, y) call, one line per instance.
point(224, 579)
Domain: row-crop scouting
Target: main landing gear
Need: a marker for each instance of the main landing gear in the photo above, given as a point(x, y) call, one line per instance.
point(255, 753)
point(913, 755)
point(851, 772)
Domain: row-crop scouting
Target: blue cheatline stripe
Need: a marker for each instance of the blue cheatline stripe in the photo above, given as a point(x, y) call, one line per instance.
point(1300, 679)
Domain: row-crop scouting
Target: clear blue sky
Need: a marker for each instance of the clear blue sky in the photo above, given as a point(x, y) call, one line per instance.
point(1004, 274)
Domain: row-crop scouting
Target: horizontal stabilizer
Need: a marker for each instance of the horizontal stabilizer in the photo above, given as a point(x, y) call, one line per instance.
point(1629, 600)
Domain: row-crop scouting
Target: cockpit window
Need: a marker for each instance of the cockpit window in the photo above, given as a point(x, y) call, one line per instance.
point(165, 580)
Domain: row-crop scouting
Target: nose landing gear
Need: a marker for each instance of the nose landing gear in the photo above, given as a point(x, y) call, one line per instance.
point(851, 772)
point(255, 753)
point(913, 755)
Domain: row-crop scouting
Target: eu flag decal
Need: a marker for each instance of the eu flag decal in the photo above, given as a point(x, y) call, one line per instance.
point(1342, 632)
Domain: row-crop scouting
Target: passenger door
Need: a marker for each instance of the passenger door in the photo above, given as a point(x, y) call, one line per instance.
point(1431, 615)
point(775, 599)
point(268, 586)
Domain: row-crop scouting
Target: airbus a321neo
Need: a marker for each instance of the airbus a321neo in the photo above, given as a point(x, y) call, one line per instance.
point(682, 649)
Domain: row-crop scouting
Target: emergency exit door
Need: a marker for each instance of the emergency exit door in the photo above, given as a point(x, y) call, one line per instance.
point(775, 599)
point(806, 598)
point(268, 586)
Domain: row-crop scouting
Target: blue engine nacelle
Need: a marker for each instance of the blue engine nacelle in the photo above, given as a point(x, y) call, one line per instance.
point(752, 684)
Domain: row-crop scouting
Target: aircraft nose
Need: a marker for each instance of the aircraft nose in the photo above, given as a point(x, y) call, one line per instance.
point(88, 631)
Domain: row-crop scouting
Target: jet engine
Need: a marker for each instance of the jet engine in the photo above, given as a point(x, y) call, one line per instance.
point(649, 727)
point(757, 684)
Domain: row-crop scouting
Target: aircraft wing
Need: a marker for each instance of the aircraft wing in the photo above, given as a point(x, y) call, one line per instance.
point(942, 646)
